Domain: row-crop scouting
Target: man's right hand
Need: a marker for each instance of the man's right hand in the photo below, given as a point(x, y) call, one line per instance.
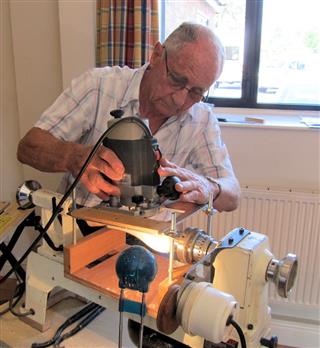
point(41, 150)
point(104, 163)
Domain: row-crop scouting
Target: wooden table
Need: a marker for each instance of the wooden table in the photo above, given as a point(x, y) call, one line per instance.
point(11, 217)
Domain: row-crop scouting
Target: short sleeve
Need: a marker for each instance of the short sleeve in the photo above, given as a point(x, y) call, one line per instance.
point(73, 113)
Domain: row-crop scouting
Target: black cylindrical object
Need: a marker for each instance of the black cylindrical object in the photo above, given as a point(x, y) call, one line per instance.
point(167, 188)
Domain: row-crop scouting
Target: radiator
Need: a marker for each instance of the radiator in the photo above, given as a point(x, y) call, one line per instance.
point(291, 220)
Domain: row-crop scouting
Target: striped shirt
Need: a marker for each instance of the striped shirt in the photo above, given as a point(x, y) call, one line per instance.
point(81, 113)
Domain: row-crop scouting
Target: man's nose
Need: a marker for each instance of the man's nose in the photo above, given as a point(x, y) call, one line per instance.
point(180, 96)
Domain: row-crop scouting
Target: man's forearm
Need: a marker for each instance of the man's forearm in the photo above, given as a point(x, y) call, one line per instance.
point(41, 150)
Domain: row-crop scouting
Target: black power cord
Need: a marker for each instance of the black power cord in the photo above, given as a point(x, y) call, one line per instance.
point(15, 298)
point(86, 321)
point(91, 311)
point(239, 331)
point(59, 208)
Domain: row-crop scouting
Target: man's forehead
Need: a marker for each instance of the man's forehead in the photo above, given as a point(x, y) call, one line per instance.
point(193, 61)
point(196, 49)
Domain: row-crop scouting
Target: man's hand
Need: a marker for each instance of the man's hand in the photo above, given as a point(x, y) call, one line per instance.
point(41, 150)
point(104, 165)
point(194, 188)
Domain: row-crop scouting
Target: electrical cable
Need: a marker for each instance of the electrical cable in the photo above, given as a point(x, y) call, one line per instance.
point(38, 227)
point(239, 331)
point(59, 208)
point(67, 323)
point(17, 314)
point(91, 312)
point(85, 322)
point(17, 293)
point(12, 305)
point(84, 311)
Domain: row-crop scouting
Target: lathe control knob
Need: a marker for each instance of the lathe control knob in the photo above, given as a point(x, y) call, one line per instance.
point(283, 273)
point(167, 188)
point(24, 193)
point(118, 113)
point(270, 343)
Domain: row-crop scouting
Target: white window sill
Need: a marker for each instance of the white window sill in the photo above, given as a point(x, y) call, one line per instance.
point(279, 119)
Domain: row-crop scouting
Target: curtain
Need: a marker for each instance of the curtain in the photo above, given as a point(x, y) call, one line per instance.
point(127, 30)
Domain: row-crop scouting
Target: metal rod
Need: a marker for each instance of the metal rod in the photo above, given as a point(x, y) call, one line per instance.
point(74, 206)
point(209, 215)
point(209, 224)
point(141, 321)
point(173, 229)
point(173, 232)
point(120, 322)
point(170, 270)
point(73, 196)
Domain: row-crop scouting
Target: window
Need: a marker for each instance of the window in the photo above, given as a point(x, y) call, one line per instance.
point(272, 49)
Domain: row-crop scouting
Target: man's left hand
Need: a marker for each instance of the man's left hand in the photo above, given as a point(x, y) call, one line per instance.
point(194, 188)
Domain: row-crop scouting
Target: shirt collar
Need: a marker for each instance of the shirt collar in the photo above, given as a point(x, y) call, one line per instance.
point(182, 118)
point(132, 92)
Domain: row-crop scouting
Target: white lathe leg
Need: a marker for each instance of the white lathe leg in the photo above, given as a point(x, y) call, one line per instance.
point(38, 285)
point(37, 298)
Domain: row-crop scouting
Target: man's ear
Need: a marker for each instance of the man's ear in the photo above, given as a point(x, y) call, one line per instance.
point(157, 52)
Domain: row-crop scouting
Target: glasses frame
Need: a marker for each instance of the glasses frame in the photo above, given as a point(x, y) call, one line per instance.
point(199, 96)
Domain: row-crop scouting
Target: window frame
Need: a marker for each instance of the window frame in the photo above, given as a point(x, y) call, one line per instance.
point(251, 60)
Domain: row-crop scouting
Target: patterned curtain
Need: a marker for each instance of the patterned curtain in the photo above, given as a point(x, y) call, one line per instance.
point(127, 30)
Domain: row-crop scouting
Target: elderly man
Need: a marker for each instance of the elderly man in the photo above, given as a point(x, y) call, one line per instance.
point(168, 92)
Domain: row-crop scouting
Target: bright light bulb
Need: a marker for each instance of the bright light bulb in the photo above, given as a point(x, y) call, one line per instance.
point(159, 243)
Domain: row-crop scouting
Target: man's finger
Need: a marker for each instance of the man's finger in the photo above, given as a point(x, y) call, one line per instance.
point(110, 172)
point(186, 186)
point(95, 183)
point(167, 171)
point(102, 195)
point(112, 159)
point(165, 163)
point(194, 197)
point(107, 187)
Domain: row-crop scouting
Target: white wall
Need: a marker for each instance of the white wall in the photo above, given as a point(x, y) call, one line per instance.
point(44, 44)
point(78, 37)
point(275, 157)
point(10, 170)
point(37, 63)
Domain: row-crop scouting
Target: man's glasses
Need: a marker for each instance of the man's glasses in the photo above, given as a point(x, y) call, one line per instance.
point(179, 83)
